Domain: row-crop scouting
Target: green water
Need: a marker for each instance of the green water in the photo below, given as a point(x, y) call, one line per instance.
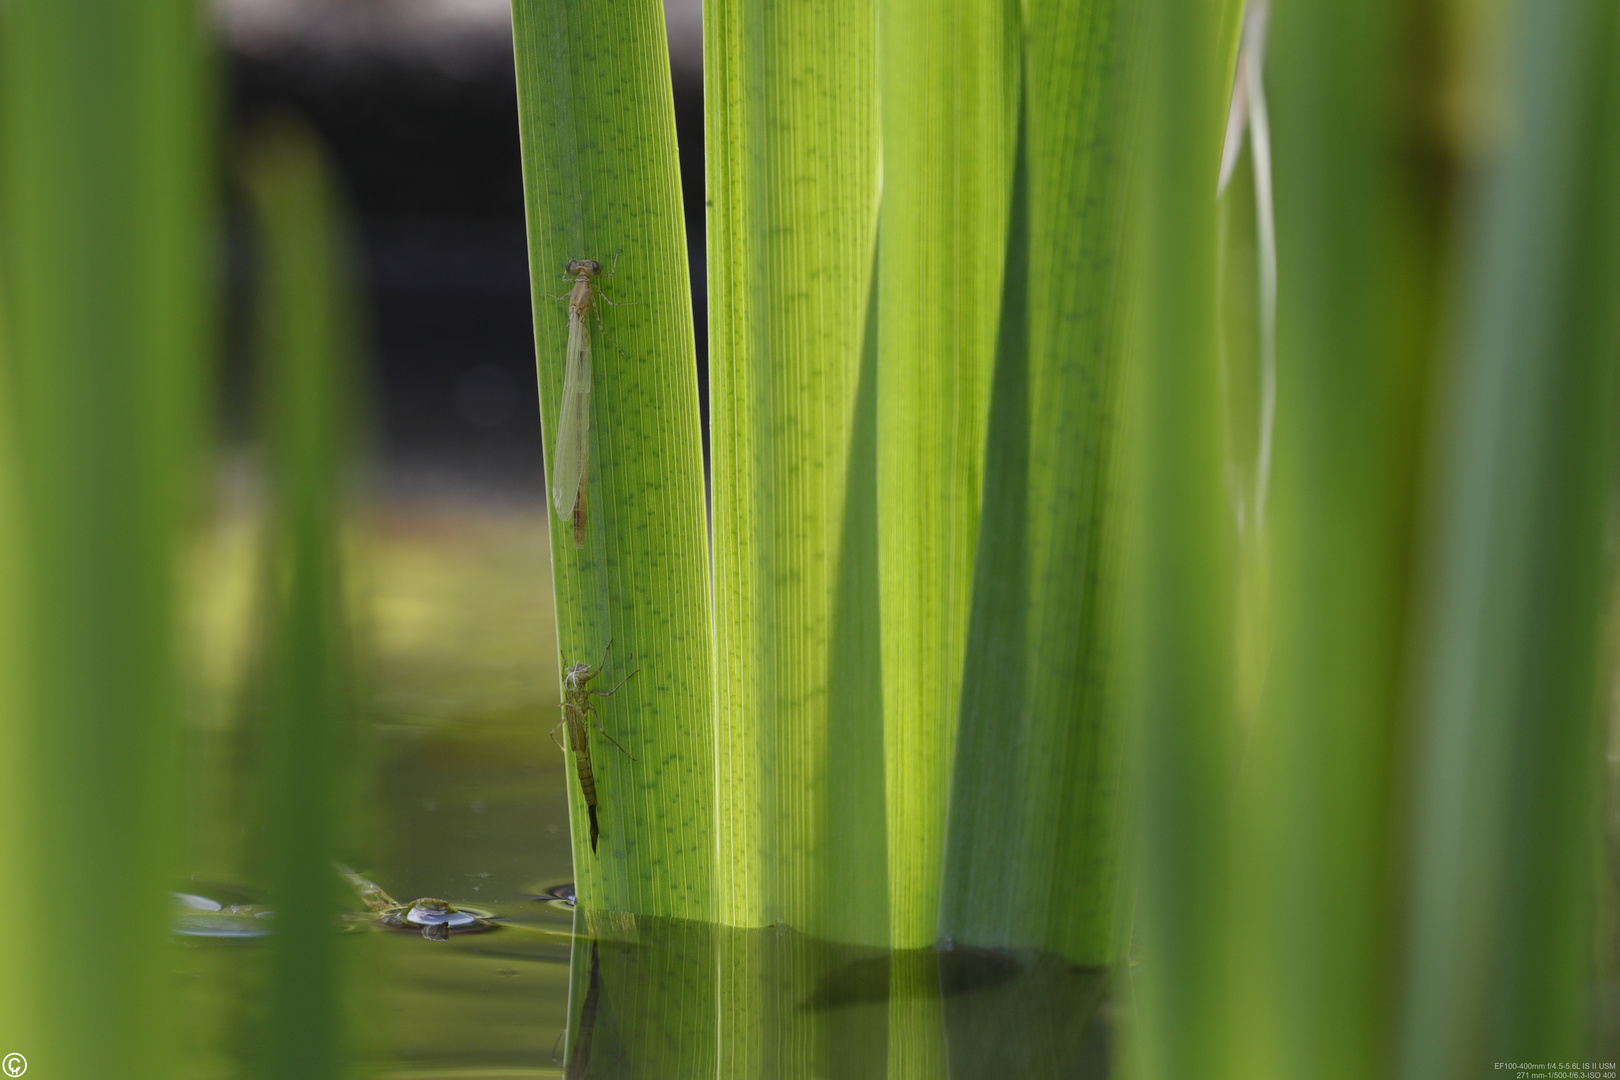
point(459, 794)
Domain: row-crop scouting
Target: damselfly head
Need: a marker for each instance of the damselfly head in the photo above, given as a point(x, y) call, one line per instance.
point(588, 267)
point(576, 675)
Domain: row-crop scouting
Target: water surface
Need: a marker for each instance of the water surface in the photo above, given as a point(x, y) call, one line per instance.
point(458, 793)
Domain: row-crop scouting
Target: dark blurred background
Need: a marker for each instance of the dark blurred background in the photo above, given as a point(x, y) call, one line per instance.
point(416, 102)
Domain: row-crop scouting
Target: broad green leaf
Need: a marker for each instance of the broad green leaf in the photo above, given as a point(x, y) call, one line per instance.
point(1034, 856)
point(103, 222)
point(793, 171)
point(1509, 689)
point(598, 137)
point(948, 76)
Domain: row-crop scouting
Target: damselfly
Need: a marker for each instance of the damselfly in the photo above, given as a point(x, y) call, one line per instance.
point(570, 464)
point(576, 706)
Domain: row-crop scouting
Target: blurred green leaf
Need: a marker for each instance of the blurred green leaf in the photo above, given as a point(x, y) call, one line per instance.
point(1180, 548)
point(307, 341)
point(1313, 864)
point(1508, 688)
point(103, 226)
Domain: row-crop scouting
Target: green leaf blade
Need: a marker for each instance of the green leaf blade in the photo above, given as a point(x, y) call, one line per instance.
point(598, 138)
point(793, 143)
point(1037, 798)
point(949, 86)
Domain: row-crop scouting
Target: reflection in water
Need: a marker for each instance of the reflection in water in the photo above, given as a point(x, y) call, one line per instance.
point(579, 1053)
point(937, 973)
point(666, 999)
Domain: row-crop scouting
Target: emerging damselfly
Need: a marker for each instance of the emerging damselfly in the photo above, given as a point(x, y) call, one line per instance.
point(570, 464)
point(576, 706)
